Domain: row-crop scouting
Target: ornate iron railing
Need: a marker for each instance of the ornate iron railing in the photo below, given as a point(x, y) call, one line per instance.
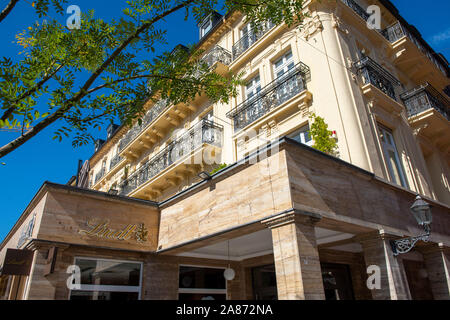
point(100, 174)
point(114, 161)
point(148, 118)
point(357, 9)
point(204, 132)
point(271, 96)
point(372, 72)
point(217, 54)
point(398, 31)
point(423, 98)
point(250, 38)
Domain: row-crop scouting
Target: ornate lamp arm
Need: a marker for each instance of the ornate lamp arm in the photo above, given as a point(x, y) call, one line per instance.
point(406, 244)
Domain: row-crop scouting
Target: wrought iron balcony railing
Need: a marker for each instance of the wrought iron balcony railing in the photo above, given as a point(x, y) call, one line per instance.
point(217, 54)
point(357, 8)
point(250, 38)
point(114, 161)
point(205, 132)
point(398, 31)
point(271, 96)
point(423, 98)
point(148, 118)
point(375, 74)
point(100, 175)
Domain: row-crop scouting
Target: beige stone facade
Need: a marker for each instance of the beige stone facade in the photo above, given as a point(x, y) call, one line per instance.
point(292, 222)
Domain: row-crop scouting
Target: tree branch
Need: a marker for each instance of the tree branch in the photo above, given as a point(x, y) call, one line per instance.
point(7, 9)
point(11, 146)
point(27, 93)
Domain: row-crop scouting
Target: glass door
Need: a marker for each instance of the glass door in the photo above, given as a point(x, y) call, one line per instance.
point(337, 281)
point(200, 283)
point(264, 283)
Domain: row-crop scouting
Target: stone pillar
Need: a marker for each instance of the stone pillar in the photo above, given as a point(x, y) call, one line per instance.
point(377, 252)
point(160, 279)
point(235, 287)
point(297, 264)
point(437, 263)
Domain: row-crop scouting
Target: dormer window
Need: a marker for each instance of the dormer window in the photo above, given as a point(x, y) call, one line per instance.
point(205, 28)
point(208, 23)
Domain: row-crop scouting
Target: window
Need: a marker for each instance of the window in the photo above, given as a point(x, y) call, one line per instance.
point(283, 65)
point(302, 135)
point(5, 282)
point(391, 156)
point(264, 283)
point(209, 116)
point(108, 280)
point(199, 283)
point(247, 35)
point(253, 88)
point(206, 27)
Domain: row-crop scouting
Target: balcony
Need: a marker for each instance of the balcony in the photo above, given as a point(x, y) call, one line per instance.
point(374, 74)
point(113, 168)
point(99, 175)
point(429, 115)
point(162, 168)
point(218, 58)
point(357, 9)
point(412, 56)
point(137, 128)
point(114, 161)
point(424, 98)
point(270, 97)
point(249, 38)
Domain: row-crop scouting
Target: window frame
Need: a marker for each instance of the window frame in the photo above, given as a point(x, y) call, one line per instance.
point(299, 130)
point(207, 25)
point(255, 87)
point(110, 288)
point(386, 147)
point(202, 290)
point(287, 65)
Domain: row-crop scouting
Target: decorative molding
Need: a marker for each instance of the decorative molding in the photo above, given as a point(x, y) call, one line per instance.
point(337, 23)
point(311, 27)
point(290, 217)
point(417, 130)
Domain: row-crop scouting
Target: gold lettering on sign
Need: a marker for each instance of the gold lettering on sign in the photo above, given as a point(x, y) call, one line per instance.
point(102, 230)
point(17, 262)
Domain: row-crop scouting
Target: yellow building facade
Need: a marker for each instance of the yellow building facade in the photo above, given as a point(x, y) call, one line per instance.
point(372, 87)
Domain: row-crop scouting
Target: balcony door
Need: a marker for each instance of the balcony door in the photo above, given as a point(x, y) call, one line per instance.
point(286, 84)
point(254, 105)
point(283, 65)
point(392, 159)
point(247, 36)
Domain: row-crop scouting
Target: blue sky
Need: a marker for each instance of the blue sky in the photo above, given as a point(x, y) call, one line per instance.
point(43, 159)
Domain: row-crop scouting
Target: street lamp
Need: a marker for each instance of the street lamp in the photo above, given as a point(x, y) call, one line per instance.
point(204, 175)
point(421, 211)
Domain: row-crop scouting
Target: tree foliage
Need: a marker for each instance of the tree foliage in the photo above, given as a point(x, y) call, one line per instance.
point(322, 137)
point(86, 78)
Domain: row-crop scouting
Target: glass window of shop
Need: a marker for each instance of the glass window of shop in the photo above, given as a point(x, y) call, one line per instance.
point(5, 283)
point(200, 283)
point(103, 279)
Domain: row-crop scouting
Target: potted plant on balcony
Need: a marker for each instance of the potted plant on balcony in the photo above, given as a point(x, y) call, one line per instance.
point(323, 138)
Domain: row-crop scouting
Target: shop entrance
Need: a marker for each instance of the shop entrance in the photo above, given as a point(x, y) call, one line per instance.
point(336, 281)
point(264, 282)
point(200, 283)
